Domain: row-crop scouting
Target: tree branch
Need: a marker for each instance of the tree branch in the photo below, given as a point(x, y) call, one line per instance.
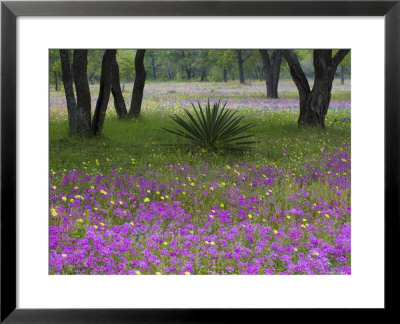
point(265, 57)
point(296, 72)
point(339, 56)
point(247, 56)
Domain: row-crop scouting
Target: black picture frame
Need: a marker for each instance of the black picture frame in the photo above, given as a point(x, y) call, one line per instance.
point(9, 13)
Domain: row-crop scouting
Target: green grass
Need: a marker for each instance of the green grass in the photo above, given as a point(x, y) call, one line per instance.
point(129, 144)
point(144, 141)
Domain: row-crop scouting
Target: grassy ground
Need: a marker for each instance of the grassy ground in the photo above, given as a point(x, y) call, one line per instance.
point(146, 142)
point(136, 200)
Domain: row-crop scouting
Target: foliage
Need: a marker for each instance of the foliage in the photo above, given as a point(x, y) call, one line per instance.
point(213, 127)
point(55, 65)
point(94, 58)
point(126, 63)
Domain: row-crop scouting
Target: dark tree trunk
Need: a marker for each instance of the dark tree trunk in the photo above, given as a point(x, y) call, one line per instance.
point(83, 112)
point(272, 68)
point(119, 102)
point(276, 59)
point(153, 65)
point(56, 79)
point(91, 77)
point(342, 74)
point(188, 73)
point(240, 65)
point(314, 103)
point(169, 72)
point(104, 92)
point(67, 79)
point(225, 75)
point(138, 86)
point(203, 74)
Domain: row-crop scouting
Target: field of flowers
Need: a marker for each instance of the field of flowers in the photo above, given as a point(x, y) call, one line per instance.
point(128, 202)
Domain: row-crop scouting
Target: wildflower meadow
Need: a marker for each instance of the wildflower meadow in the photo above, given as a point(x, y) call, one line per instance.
point(139, 200)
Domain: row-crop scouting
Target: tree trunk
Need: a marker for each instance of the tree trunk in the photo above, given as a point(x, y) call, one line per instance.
point(154, 68)
point(104, 92)
point(91, 77)
point(240, 65)
point(56, 79)
point(169, 72)
point(83, 112)
point(203, 74)
point(67, 79)
point(342, 74)
point(189, 73)
point(138, 86)
point(119, 102)
point(225, 75)
point(314, 104)
point(271, 69)
point(276, 71)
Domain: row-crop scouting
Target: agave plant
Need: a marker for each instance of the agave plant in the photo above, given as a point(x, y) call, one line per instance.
point(213, 127)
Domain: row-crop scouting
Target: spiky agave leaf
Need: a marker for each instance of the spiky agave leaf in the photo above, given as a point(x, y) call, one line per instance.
point(213, 126)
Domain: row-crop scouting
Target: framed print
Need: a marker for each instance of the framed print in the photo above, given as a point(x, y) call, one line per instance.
point(190, 161)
